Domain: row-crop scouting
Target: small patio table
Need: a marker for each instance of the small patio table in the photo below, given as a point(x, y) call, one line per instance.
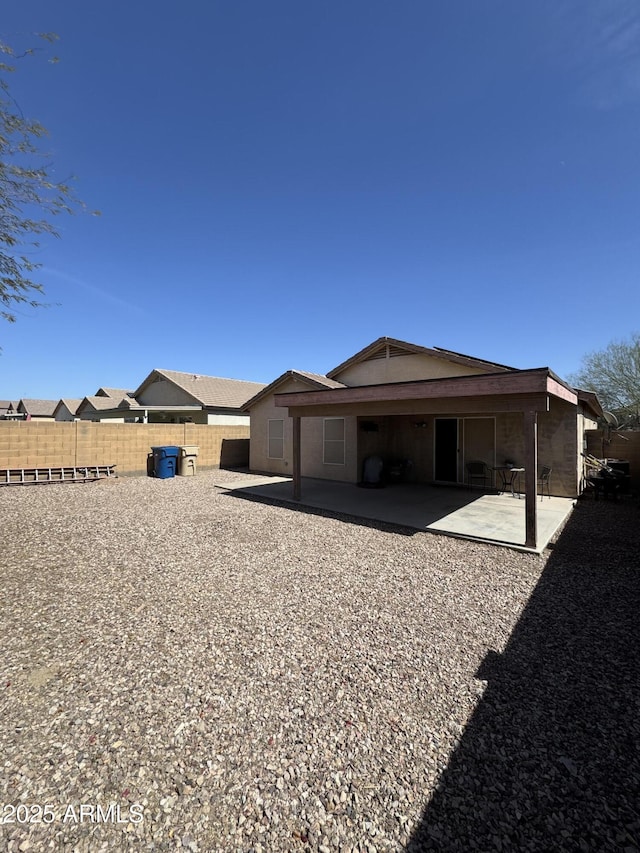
point(509, 476)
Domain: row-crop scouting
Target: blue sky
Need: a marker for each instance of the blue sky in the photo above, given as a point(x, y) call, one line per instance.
point(281, 183)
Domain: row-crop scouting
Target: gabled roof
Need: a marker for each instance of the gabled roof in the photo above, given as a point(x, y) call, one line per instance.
point(113, 392)
point(209, 391)
point(313, 380)
point(39, 408)
point(72, 405)
point(104, 404)
point(523, 384)
point(384, 346)
point(590, 399)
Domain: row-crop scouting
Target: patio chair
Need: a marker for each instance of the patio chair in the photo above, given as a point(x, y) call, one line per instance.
point(543, 480)
point(478, 472)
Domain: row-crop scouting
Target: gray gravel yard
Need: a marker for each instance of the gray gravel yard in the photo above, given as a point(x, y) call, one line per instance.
point(222, 674)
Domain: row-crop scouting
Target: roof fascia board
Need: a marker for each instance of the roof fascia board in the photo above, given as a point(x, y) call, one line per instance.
point(435, 406)
point(558, 388)
point(483, 384)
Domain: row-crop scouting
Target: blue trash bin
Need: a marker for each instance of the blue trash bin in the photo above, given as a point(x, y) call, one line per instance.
point(165, 461)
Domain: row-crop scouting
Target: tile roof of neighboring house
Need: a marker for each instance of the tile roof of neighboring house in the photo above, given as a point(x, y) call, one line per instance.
point(315, 380)
point(113, 392)
point(71, 404)
point(104, 404)
point(41, 408)
point(6, 404)
point(209, 391)
point(396, 347)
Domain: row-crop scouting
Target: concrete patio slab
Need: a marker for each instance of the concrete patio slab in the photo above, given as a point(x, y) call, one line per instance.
point(469, 514)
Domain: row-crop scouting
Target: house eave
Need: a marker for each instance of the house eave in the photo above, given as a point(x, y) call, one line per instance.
point(409, 348)
point(537, 383)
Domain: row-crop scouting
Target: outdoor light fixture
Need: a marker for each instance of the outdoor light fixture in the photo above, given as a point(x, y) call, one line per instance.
point(421, 424)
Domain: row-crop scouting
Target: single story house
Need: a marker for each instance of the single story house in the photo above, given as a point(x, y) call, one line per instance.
point(115, 410)
point(426, 411)
point(117, 393)
point(67, 409)
point(169, 396)
point(42, 410)
point(6, 409)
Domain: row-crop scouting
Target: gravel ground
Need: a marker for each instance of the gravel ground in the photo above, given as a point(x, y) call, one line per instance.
point(222, 674)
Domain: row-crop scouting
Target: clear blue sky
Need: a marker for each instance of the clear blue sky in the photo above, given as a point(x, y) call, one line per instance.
point(283, 182)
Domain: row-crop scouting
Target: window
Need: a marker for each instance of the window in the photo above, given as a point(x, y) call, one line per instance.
point(275, 439)
point(334, 441)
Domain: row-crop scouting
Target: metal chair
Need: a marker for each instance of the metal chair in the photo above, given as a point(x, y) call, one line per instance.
point(478, 472)
point(543, 480)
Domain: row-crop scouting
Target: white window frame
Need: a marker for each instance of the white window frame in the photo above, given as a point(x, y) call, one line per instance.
point(333, 441)
point(274, 438)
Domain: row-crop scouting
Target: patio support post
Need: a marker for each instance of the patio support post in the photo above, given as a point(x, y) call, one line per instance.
point(296, 459)
point(530, 476)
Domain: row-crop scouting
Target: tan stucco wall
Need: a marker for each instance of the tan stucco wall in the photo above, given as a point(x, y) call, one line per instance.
point(311, 440)
point(585, 422)
point(402, 368)
point(557, 444)
point(64, 415)
point(165, 393)
point(33, 444)
point(227, 420)
point(397, 438)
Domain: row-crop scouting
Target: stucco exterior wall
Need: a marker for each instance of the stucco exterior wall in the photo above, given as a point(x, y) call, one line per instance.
point(165, 393)
point(63, 414)
point(558, 446)
point(311, 439)
point(398, 438)
point(227, 420)
point(403, 368)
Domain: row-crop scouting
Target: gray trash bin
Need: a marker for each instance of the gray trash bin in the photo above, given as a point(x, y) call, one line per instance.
point(187, 461)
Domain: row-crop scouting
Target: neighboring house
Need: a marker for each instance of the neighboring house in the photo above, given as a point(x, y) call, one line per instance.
point(102, 408)
point(41, 410)
point(118, 393)
point(66, 410)
point(168, 396)
point(6, 409)
point(430, 409)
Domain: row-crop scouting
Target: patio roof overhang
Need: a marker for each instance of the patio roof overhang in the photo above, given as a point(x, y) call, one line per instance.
point(517, 391)
point(525, 391)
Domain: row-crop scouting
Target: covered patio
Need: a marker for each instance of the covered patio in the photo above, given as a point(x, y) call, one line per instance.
point(525, 394)
point(497, 518)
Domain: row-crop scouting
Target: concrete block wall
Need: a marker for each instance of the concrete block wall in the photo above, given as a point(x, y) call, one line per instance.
point(34, 444)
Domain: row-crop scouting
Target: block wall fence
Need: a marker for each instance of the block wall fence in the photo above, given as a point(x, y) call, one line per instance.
point(47, 444)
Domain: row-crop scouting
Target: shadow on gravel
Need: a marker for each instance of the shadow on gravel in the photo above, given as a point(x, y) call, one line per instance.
point(384, 526)
point(550, 760)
